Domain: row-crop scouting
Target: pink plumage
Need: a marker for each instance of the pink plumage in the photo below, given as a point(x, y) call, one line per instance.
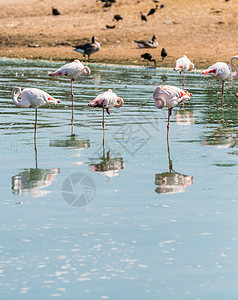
point(169, 96)
point(183, 64)
point(222, 71)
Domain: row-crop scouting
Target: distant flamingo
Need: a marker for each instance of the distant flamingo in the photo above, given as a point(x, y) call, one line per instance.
point(169, 96)
point(222, 71)
point(183, 64)
point(72, 70)
point(106, 100)
point(32, 97)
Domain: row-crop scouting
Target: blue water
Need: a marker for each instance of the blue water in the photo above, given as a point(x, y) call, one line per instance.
point(130, 219)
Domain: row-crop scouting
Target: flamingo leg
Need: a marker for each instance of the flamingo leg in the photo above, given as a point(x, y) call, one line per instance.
point(103, 126)
point(169, 114)
point(72, 119)
point(183, 79)
point(35, 128)
point(222, 92)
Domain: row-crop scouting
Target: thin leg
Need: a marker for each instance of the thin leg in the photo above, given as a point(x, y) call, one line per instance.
point(183, 79)
point(103, 126)
point(169, 114)
point(72, 119)
point(35, 128)
point(222, 92)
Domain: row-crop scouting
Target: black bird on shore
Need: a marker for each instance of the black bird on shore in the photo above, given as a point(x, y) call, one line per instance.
point(110, 26)
point(117, 18)
point(148, 57)
point(162, 5)
point(88, 48)
point(143, 17)
point(55, 11)
point(163, 54)
point(153, 10)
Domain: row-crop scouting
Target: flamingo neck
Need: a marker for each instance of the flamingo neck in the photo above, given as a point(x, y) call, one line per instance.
point(15, 94)
point(159, 103)
point(234, 67)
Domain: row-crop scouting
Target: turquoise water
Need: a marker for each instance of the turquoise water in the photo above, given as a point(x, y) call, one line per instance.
point(130, 219)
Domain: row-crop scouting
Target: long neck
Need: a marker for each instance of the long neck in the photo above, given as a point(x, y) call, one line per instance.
point(236, 69)
point(15, 94)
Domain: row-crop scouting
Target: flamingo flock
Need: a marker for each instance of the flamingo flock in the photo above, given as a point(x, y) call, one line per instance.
point(164, 96)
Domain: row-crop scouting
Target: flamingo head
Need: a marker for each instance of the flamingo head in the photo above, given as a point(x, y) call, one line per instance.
point(191, 67)
point(86, 71)
point(158, 99)
point(237, 95)
point(119, 103)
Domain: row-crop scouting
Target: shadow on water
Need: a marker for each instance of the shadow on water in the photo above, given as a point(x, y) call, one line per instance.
point(171, 182)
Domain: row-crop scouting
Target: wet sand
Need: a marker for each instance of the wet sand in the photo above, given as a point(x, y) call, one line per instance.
point(203, 30)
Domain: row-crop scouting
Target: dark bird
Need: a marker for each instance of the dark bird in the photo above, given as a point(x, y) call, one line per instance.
point(148, 43)
point(163, 54)
point(155, 1)
point(162, 5)
point(117, 18)
point(153, 10)
point(55, 11)
point(143, 17)
point(148, 57)
point(107, 4)
point(110, 27)
point(88, 48)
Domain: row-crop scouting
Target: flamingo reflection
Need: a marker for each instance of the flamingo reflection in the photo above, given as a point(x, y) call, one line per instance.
point(172, 182)
point(32, 181)
point(71, 142)
point(184, 117)
point(108, 166)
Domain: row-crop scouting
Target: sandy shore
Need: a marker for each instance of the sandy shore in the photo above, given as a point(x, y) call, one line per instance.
point(204, 30)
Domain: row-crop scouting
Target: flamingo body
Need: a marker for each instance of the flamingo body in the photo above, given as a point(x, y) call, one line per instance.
point(223, 71)
point(72, 70)
point(32, 97)
point(106, 100)
point(169, 96)
point(183, 64)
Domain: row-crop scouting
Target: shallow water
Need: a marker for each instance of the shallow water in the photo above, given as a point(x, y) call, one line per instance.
point(132, 219)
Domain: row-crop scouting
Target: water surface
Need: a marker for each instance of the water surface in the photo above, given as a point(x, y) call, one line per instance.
point(130, 219)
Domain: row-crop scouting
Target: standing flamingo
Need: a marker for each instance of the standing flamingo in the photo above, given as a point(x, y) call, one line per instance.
point(73, 70)
point(169, 96)
point(222, 71)
point(183, 64)
point(32, 97)
point(106, 100)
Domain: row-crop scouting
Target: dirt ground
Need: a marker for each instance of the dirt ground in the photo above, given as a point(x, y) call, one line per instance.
point(204, 30)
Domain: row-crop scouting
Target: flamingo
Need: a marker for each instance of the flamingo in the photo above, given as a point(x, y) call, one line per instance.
point(222, 71)
point(169, 96)
point(106, 100)
point(183, 64)
point(73, 70)
point(32, 97)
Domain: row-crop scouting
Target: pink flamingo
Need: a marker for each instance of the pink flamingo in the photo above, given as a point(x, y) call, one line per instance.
point(183, 64)
point(106, 100)
point(72, 70)
point(169, 96)
point(222, 71)
point(32, 97)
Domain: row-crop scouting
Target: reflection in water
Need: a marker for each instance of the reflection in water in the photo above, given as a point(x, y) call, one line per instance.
point(223, 138)
point(108, 166)
point(172, 182)
point(71, 143)
point(184, 117)
point(31, 181)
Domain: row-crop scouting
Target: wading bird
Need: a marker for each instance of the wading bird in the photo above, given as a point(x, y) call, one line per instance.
point(183, 64)
point(153, 43)
point(106, 100)
point(32, 97)
point(148, 57)
point(72, 70)
point(163, 54)
point(222, 71)
point(169, 96)
point(88, 48)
